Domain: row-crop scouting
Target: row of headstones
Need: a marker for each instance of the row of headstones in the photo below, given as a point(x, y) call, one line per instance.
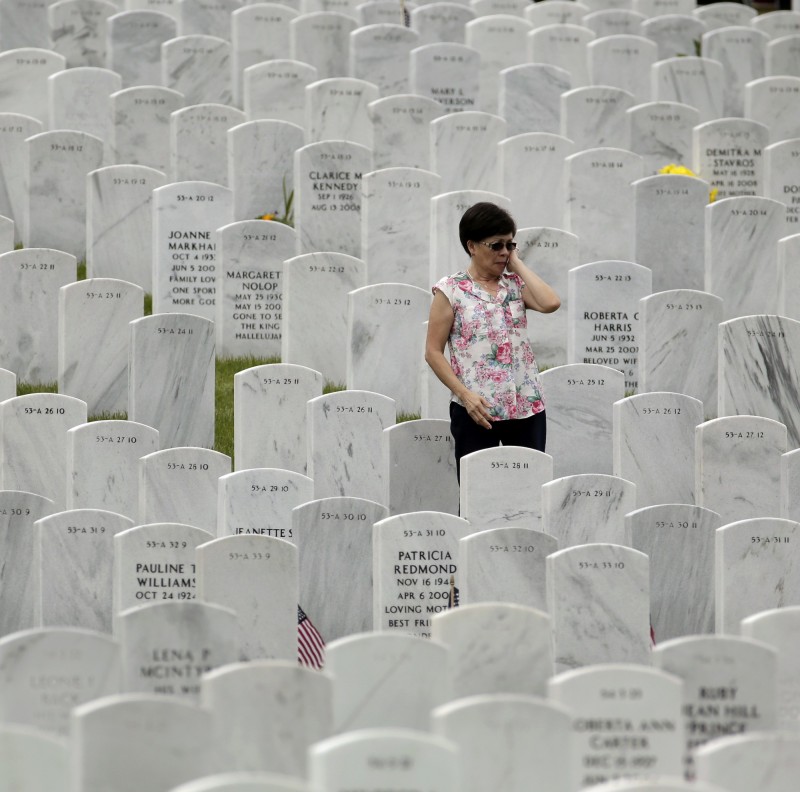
point(485, 682)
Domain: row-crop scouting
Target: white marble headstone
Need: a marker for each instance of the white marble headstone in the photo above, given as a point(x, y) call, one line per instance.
point(441, 21)
point(783, 56)
point(661, 133)
point(336, 109)
point(207, 17)
point(447, 72)
point(23, 24)
point(199, 67)
point(778, 23)
point(782, 183)
point(717, 15)
point(14, 130)
point(773, 101)
point(78, 30)
point(595, 116)
point(675, 33)
point(556, 12)
point(562, 45)
point(399, 130)
point(612, 21)
point(623, 61)
point(134, 45)
point(530, 96)
point(31, 759)
point(380, 53)
point(693, 81)
point(23, 75)
point(275, 89)
point(322, 40)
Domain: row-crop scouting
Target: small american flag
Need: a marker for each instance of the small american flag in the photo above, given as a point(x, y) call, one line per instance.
point(310, 644)
point(453, 599)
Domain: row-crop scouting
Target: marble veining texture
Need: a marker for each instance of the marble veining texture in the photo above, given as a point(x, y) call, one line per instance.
point(782, 23)
point(385, 680)
point(595, 117)
point(381, 55)
point(697, 82)
point(266, 715)
point(269, 415)
point(260, 501)
point(587, 694)
point(23, 23)
point(500, 40)
point(93, 336)
point(256, 577)
point(720, 662)
point(33, 758)
point(396, 224)
point(604, 323)
point(315, 306)
point(103, 465)
point(181, 485)
point(202, 633)
point(773, 102)
point(336, 109)
point(322, 39)
point(496, 648)
point(154, 561)
point(171, 378)
point(435, 24)
point(662, 132)
point(134, 45)
point(448, 73)
point(379, 317)
point(530, 97)
point(327, 186)
point(56, 208)
point(579, 401)
point(422, 470)
point(740, 231)
point(23, 78)
point(587, 508)
point(781, 179)
point(670, 230)
point(199, 142)
point(558, 14)
point(537, 202)
point(413, 569)
point(757, 761)
point(8, 384)
point(77, 666)
point(199, 68)
point(783, 56)
point(675, 34)
point(751, 577)
point(78, 30)
point(207, 17)
point(119, 223)
point(250, 288)
point(276, 90)
point(526, 739)
point(334, 536)
point(654, 445)
point(80, 100)
point(33, 429)
point(600, 202)
point(141, 125)
point(550, 253)
point(186, 216)
point(73, 567)
point(345, 443)
point(679, 541)
point(741, 51)
point(464, 150)
point(790, 491)
point(14, 130)
point(624, 62)
point(678, 352)
point(148, 740)
point(598, 599)
point(260, 163)
point(737, 466)
point(654, 8)
point(563, 46)
point(715, 16)
point(256, 36)
point(18, 512)
point(505, 565)
point(400, 131)
point(758, 370)
point(30, 285)
point(446, 257)
point(6, 234)
point(500, 486)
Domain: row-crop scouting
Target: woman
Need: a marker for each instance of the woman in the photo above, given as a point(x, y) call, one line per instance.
point(497, 397)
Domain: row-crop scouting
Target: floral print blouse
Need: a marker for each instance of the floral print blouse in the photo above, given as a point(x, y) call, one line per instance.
point(489, 347)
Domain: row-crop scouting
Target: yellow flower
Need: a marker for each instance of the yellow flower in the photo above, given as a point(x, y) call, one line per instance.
point(713, 195)
point(680, 170)
point(267, 217)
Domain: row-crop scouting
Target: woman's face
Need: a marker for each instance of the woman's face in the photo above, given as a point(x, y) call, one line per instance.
point(488, 260)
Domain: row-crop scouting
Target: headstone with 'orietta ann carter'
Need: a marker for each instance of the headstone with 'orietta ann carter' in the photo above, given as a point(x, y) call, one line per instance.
point(181, 484)
point(185, 217)
point(334, 537)
point(579, 399)
point(604, 323)
point(256, 577)
point(415, 569)
point(626, 722)
point(171, 377)
point(29, 289)
point(73, 560)
point(729, 687)
point(250, 287)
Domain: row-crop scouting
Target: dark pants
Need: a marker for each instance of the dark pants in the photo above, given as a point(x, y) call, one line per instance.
point(468, 436)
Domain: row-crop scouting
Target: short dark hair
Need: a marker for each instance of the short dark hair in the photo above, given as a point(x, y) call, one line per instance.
point(483, 220)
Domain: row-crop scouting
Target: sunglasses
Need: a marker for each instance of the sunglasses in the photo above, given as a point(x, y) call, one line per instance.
point(499, 245)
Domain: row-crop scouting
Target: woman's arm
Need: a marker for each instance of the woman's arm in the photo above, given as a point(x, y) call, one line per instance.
point(440, 323)
point(537, 295)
